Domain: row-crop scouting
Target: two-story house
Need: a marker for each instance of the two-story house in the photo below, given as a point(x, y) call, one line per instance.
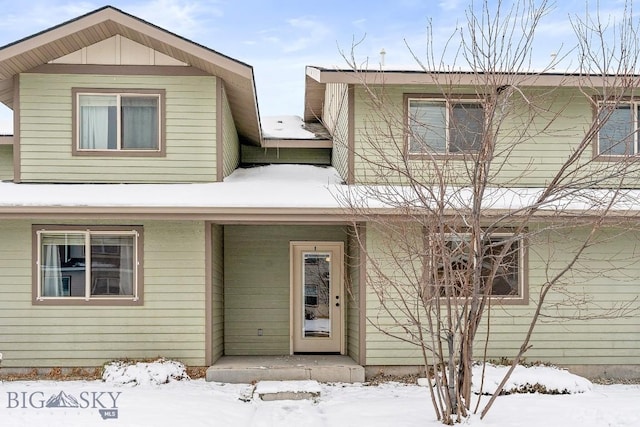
point(129, 230)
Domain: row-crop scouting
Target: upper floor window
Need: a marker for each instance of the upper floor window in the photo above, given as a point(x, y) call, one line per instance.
point(118, 122)
point(442, 126)
point(88, 265)
point(618, 132)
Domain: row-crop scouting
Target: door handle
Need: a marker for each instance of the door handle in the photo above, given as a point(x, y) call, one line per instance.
point(337, 304)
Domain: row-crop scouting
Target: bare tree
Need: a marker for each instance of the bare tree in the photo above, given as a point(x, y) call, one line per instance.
point(453, 198)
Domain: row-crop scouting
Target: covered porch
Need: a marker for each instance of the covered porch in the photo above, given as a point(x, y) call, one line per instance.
point(270, 316)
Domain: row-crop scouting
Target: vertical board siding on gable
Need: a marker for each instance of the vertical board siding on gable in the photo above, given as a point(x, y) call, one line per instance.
point(531, 163)
point(607, 275)
point(256, 284)
point(217, 294)
point(231, 143)
point(46, 131)
point(171, 323)
point(336, 119)
point(6, 162)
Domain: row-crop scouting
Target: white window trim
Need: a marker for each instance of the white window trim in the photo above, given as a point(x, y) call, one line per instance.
point(448, 104)
point(634, 122)
point(118, 96)
point(87, 233)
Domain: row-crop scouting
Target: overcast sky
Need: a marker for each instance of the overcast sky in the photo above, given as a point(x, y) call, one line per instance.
point(278, 38)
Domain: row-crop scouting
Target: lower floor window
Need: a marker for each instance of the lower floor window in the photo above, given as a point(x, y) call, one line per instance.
point(88, 264)
point(501, 269)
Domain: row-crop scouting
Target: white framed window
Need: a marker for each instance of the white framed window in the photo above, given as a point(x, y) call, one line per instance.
point(443, 126)
point(618, 128)
point(458, 258)
point(75, 264)
point(108, 121)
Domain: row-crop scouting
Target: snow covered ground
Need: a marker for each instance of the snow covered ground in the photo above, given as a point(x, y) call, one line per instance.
point(197, 403)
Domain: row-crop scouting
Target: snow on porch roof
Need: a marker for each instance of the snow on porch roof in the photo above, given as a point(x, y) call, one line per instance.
point(289, 189)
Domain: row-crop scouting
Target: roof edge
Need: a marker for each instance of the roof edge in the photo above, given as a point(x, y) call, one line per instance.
point(112, 9)
point(399, 76)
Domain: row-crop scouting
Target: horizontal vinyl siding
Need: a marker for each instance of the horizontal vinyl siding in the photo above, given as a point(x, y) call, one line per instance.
point(353, 298)
point(306, 156)
point(607, 275)
point(217, 294)
point(169, 324)
point(46, 131)
point(231, 149)
point(559, 125)
point(6, 162)
point(256, 285)
point(336, 118)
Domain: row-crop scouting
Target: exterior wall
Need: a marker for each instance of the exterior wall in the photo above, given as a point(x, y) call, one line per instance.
point(606, 277)
point(171, 323)
point(46, 131)
point(256, 285)
point(306, 156)
point(6, 162)
point(217, 294)
point(231, 143)
point(353, 297)
point(336, 119)
point(531, 163)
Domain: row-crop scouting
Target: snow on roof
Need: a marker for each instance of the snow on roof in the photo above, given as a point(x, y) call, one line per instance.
point(265, 186)
point(285, 127)
point(298, 186)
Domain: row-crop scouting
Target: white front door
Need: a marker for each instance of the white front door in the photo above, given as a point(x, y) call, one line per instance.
point(317, 305)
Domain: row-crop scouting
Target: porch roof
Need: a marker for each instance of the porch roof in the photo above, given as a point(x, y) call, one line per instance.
point(291, 193)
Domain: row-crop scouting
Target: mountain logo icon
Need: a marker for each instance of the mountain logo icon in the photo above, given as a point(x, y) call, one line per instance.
point(62, 400)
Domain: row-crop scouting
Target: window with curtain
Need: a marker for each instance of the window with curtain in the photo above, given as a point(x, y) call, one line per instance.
point(118, 122)
point(618, 128)
point(440, 126)
point(88, 264)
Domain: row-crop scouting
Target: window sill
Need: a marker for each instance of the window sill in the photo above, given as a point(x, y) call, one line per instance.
point(119, 153)
point(616, 158)
point(441, 156)
point(96, 301)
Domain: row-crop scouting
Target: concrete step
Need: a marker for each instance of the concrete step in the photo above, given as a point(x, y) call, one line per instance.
point(249, 369)
point(287, 390)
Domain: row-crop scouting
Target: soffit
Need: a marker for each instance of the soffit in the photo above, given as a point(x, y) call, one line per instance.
point(107, 22)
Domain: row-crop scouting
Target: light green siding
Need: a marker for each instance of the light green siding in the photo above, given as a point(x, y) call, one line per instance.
point(231, 144)
point(606, 277)
point(336, 118)
point(6, 162)
point(354, 262)
point(217, 292)
point(532, 144)
point(46, 131)
point(306, 156)
point(256, 285)
point(171, 322)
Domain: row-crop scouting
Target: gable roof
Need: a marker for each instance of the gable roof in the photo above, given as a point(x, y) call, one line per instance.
point(106, 22)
